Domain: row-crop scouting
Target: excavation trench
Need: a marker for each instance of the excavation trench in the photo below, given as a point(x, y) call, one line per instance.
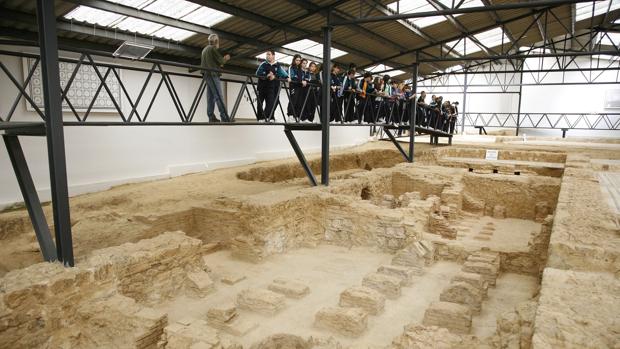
point(350, 265)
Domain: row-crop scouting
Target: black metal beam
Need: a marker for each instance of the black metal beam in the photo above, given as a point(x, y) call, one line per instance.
point(325, 104)
point(55, 134)
point(300, 156)
point(396, 144)
point(249, 15)
point(173, 22)
point(309, 6)
point(31, 198)
point(456, 11)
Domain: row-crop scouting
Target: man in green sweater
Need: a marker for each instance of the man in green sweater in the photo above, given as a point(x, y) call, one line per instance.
point(213, 59)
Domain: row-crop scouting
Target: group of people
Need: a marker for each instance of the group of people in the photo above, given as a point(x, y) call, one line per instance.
point(352, 100)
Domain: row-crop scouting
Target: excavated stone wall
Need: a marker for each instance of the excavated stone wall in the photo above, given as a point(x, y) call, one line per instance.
point(103, 301)
point(339, 162)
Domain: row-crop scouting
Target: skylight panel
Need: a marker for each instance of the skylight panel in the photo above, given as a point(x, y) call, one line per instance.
point(613, 39)
point(206, 16)
point(379, 68)
point(313, 48)
point(93, 16)
point(462, 45)
point(172, 8)
point(173, 33)
point(584, 9)
point(413, 6)
point(138, 26)
point(139, 4)
point(492, 38)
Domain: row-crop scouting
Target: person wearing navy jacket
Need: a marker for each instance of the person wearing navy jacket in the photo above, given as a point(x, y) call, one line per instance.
point(335, 112)
point(268, 74)
point(313, 77)
point(296, 84)
point(347, 93)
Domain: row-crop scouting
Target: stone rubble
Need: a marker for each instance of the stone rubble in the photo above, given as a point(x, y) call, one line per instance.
point(366, 298)
point(463, 293)
point(260, 301)
point(389, 286)
point(404, 273)
point(227, 319)
point(455, 317)
point(289, 288)
point(350, 322)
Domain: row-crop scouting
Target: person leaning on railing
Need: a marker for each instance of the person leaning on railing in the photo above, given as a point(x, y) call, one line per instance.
point(335, 95)
point(269, 72)
point(211, 58)
point(313, 77)
point(297, 82)
point(365, 90)
point(347, 93)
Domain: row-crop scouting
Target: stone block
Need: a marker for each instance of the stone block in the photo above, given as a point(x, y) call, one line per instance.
point(231, 277)
point(289, 288)
point(247, 249)
point(473, 279)
point(463, 293)
point(363, 297)
point(455, 317)
point(387, 285)
point(190, 333)
point(405, 274)
point(199, 283)
point(350, 322)
point(487, 270)
point(499, 211)
point(260, 301)
point(227, 319)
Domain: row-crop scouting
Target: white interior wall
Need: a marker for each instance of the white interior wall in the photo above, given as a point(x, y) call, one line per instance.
point(538, 99)
point(99, 157)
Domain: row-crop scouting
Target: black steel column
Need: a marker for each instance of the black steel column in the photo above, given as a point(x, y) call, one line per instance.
point(413, 118)
point(520, 90)
point(55, 134)
point(325, 105)
point(464, 111)
point(31, 198)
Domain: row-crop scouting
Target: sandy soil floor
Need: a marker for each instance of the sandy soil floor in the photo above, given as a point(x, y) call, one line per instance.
point(329, 270)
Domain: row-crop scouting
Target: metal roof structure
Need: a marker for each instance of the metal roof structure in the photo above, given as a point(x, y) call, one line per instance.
point(179, 28)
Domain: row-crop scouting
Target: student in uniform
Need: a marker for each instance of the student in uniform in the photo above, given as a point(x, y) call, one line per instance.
point(313, 78)
point(364, 104)
point(269, 72)
point(296, 83)
point(335, 99)
point(347, 93)
point(423, 110)
point(396, 103)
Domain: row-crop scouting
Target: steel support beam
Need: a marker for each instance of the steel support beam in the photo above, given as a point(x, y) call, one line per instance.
point(414, 113)
point(325, 104)
point(300, 156)
point(520, 93)
point(464, 103)
point(55, 133)
point(456, 11)
point(31, 198)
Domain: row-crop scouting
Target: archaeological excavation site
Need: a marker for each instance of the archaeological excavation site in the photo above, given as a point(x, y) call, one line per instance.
point(451, 251)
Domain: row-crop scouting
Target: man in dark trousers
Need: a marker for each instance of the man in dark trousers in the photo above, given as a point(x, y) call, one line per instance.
point(212, 59)
point(268, 74)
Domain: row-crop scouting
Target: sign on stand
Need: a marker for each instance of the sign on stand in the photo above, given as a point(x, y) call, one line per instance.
point(491, 154)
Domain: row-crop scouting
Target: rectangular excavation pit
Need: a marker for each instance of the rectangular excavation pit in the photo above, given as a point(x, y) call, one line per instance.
point(508, 162)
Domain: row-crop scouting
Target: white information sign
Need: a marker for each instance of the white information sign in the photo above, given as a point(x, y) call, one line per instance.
point(492, 154)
